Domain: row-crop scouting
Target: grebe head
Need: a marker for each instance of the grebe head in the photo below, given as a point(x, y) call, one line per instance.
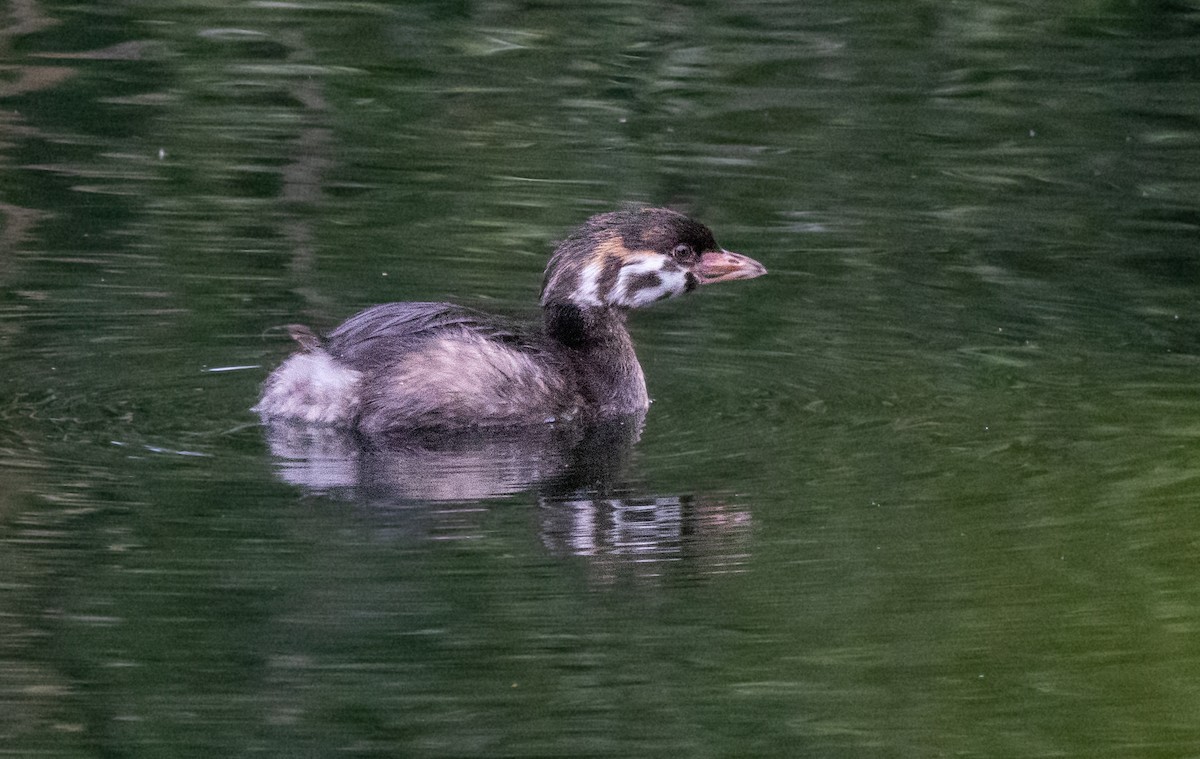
point(632, 258)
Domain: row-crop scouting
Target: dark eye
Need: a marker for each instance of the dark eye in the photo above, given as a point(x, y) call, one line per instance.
point(683, 252)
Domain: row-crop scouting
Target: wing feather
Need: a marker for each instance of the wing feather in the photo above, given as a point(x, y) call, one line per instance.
point(380, 334)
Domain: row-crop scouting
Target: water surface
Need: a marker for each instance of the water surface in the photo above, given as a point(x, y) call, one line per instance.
point(926, 489)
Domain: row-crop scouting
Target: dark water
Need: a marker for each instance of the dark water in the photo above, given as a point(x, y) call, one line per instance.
point(928, 489)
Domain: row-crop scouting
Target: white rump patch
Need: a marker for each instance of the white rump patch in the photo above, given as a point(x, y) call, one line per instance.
point(313, 388)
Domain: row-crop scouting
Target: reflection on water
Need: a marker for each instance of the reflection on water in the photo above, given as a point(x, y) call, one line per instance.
point(452, 466)
point(586, 507)
point(711, 534)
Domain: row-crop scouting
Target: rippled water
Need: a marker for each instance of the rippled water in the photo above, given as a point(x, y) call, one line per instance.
point(924, 490)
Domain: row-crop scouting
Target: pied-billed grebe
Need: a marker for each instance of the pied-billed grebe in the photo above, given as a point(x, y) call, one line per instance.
point(406, 366)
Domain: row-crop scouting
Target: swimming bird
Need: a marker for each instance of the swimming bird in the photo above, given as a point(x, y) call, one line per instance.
point(431, 366)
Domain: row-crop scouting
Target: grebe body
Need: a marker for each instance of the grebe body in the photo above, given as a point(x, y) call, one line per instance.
point(403, 366)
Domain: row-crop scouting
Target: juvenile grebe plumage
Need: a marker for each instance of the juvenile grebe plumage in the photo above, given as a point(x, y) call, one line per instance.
point(405, 366)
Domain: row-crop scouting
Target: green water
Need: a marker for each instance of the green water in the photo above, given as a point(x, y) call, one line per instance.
point(926, 489)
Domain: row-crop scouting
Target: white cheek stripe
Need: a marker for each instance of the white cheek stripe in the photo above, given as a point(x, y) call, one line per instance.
point(671, 283)
point(588, 293)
